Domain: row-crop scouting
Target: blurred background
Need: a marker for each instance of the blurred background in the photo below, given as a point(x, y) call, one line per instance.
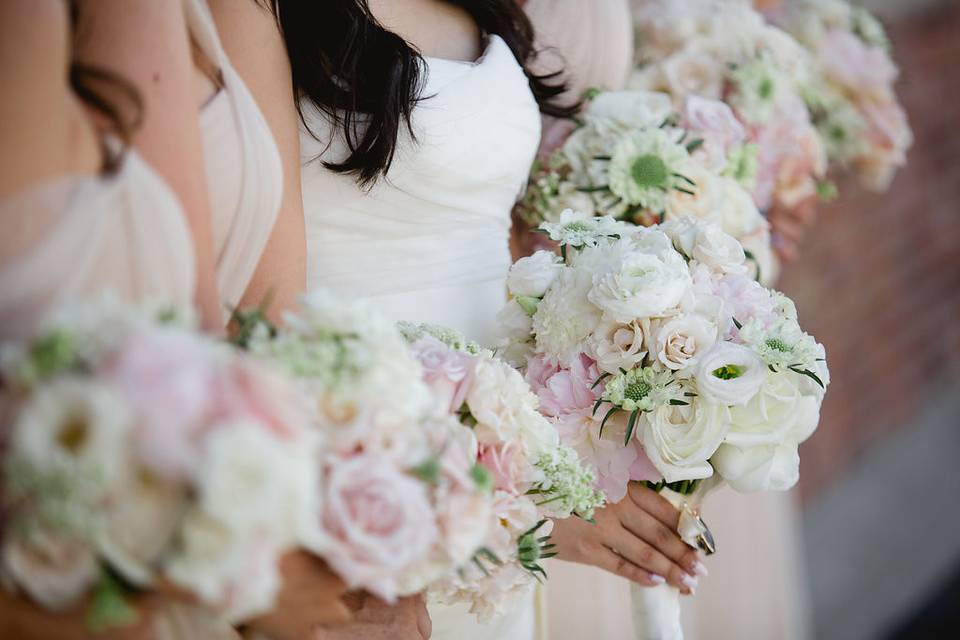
point(879, 285)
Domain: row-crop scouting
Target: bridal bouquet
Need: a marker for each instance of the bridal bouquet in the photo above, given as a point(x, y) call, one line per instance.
point(402, 499)
point(658, 359)
point(724, 50)
point(638, 159)
point(533, 476)
point(851, 94)
point(139, 452)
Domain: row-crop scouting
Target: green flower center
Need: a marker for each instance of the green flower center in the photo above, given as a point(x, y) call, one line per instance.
point(528, 550)
point(649, 171)
point(728, 372)
point(578, 226)
point(778, 345)
point(766, 87)
point(838, 134)
point(637, 391)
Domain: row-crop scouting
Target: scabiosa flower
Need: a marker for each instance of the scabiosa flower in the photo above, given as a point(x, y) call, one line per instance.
point(577, 229)
point(567, 487)
point(641, 389)
point(645, 166)
point(781, 345)
point(758, 85)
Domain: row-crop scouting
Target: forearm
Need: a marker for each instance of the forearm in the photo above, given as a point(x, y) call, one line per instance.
point(23, 620)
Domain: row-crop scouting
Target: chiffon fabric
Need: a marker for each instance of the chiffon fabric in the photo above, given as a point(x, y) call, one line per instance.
point(78, 236)
point(242, 163)
point(429, 242)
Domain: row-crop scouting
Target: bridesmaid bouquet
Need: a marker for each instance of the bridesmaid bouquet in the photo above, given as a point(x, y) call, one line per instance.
point(532, 475)
point(138, 453)
point(851, 94)
point(638, 159)
point(659, 359)
point(724, 50)
point(402, 499)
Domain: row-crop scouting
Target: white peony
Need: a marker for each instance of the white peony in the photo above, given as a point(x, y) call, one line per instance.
point(679, 440)
point(730, 374)
point(616, 345)
point(678, 343)
point(533, 275)
point(640, 284)
point(565, 317)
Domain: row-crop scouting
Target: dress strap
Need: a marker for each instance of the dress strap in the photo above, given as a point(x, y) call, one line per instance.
point(203, 30)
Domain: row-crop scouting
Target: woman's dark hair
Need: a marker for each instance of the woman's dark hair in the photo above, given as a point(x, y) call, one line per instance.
point(367, 79)
point(109, 95)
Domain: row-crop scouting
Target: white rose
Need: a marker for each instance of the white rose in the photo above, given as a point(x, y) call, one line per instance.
point(533, 275)
point(53, 569)
point(730, 374)
point(679, 342)
point(640, 284)
point(514, 324)
point(770, 417)
point(630, 109)
point(616, 346)
point(679, 440)
point(694, 70)
point(706, 243)
point(769, 467)
point(565, 317)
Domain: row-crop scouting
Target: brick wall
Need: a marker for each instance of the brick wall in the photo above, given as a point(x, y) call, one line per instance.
point(879, 281)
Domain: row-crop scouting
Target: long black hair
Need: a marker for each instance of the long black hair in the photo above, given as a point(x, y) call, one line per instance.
point(367, 79)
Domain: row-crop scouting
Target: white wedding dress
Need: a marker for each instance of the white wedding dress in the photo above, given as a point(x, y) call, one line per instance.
point(429, 243)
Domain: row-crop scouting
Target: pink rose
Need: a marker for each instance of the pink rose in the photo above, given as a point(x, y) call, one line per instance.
point(378, 522)
point(744, 299)
point(855, 64)
point(642, 470)
point(168, 376)
point(715, 123)
point(564, 390)
point(447, 371)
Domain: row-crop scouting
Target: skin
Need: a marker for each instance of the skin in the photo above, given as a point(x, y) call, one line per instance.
point(374, 620)
point(146, 43)
point(789, 226)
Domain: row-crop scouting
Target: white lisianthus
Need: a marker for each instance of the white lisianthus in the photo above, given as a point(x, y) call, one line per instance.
point(730, 374)
point(769, 467)
point(678, 343)
point(639, 284)
point(616, 345)
point(565, 316)
point(647, 165)
point(680, 439)
point(533, 275)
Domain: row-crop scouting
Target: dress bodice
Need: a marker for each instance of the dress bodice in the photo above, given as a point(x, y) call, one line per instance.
point(429, 242)
point(77, 236)
point(242, 164)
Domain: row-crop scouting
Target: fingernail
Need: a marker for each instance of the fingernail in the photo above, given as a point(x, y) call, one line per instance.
point(689, 582)
point(656, 579)
point(700, 569)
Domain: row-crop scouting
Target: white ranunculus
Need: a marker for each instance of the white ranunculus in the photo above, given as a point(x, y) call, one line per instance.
point(640, 284)
point(730, 374)
point(679, 440)
point(678, 343)
point(533, 275)
point(769, 467)
point(565, 317)
point(53, 569)
point(616, 345)
point(705, 242)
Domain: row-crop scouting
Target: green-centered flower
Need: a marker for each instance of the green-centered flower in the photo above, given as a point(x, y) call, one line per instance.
point(743, 164)
point(641, 389)
point(577, 229)
point(646, 166)
point(758, 85)
point(782, 345)
point(866, 26)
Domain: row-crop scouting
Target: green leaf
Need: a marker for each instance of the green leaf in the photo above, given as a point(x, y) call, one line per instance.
point(694, 145)
point(612, 411)
point(108, 607)
point(631, 425)
point(596, 406)
point(481, 477)
point(809, 374)
point(428, 471)
point(679, 403)
point(52, 353)
point(737, 324)
point(593, 189)
point(602, 377)
point(607, 158)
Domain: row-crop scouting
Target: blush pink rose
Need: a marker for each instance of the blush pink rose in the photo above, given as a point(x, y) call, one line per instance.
point(564, 390)
point(446, 371)
point(715, 123)
point(745, 299)
point(499, 460)
point(246, 390)
point(378, 522)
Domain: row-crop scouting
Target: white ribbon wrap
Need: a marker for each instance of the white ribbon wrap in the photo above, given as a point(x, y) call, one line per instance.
point(656, 610)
